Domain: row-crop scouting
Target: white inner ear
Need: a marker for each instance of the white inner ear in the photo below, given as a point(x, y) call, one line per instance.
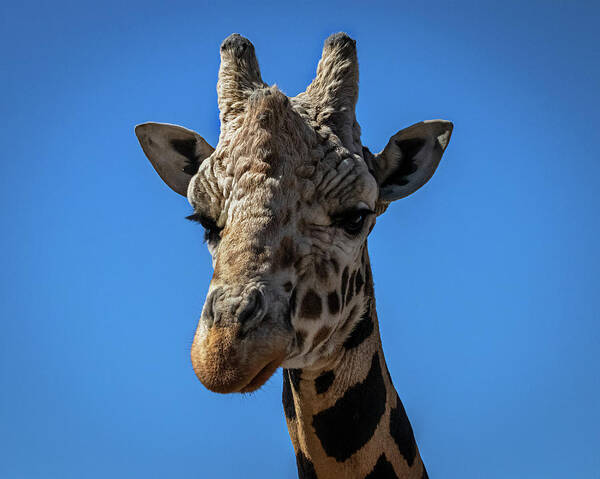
point(435, 135)
point(443, 139)
point(157, 141)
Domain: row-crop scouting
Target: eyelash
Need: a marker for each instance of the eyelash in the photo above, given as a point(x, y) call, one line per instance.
point(345, 220)
point(212, 233)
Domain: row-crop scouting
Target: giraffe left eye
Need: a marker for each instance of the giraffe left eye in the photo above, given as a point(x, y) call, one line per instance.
point(212, 233)
point(353, 221)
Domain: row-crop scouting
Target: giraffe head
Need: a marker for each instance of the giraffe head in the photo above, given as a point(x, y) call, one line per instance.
point(287, 199)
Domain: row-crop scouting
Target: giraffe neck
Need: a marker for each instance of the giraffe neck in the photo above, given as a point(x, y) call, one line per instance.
point(346, 419)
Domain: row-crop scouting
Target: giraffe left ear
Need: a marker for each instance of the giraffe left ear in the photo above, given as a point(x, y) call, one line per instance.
point(410, 158)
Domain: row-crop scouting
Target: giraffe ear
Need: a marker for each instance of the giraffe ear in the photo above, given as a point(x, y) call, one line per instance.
point(175, 152)
point(410, 158)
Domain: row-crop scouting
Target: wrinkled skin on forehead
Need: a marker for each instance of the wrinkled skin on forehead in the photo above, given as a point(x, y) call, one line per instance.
point(275, 188)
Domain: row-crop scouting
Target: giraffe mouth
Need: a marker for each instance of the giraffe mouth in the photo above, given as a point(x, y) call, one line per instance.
point(262, 377)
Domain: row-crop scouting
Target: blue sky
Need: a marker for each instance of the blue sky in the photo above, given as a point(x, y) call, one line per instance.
point(486, 279)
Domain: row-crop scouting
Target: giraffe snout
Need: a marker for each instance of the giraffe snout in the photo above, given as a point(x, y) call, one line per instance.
point(241, 338)
point(245, 310)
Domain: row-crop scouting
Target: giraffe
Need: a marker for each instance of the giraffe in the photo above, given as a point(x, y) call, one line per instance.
point(287, 199)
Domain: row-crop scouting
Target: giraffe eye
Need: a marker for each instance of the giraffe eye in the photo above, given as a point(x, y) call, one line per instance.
point(212, 233)
point(352, 221)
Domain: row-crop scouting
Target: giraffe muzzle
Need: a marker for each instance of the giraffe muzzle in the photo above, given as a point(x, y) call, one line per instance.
point(241, 340)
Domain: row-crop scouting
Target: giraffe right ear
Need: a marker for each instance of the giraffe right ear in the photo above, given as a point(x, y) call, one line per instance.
point(175, 152)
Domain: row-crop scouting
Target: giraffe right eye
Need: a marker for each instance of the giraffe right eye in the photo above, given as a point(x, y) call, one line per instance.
point(352, 221)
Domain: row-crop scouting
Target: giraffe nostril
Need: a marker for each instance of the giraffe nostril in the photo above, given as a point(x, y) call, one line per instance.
point(209, 308)
point(253, 309)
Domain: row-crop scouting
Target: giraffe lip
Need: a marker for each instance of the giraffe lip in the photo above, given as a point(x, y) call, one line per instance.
point(225, 364)
point(262, 377)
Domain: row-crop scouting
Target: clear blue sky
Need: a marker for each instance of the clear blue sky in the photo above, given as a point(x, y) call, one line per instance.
point(487, 279)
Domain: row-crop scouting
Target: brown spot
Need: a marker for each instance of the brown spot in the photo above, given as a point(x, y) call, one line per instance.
point(293, 302)
point(358, 282)
point(344, 283)
point(333, 302)
point(300, 338)
point(368, 281)
point(311, 305)
point(350, 288)
point(286, 253)
point(287, 287)
point(257, 249)
point(321, 336)
point(335, 265)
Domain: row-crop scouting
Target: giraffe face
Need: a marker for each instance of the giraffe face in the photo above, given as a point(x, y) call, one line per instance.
point(287, 209)
point(287, 199)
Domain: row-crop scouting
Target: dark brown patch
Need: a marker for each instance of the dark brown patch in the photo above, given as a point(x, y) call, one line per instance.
point(286, 255)
point(295, 376)
point(382, 470)
point(257, 249)
point(306, 469)
point(311, 305)
point(389, 376)
point(186, 148)
point(321, 335)
point(333, 302)
point(350, 289)
point(287, 287)
point(344, 284)
point(361, 331)
point(350, 423)
point(300, 338)
point(293, 302)
point(410, 148)
point(335, 265)
point(324, 382)
point(369, 289)
point(287, 397)
point(358, 282)
point(401, 431)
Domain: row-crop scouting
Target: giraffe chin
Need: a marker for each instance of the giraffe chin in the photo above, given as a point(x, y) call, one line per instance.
point(262, 377)
point(224, 364)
